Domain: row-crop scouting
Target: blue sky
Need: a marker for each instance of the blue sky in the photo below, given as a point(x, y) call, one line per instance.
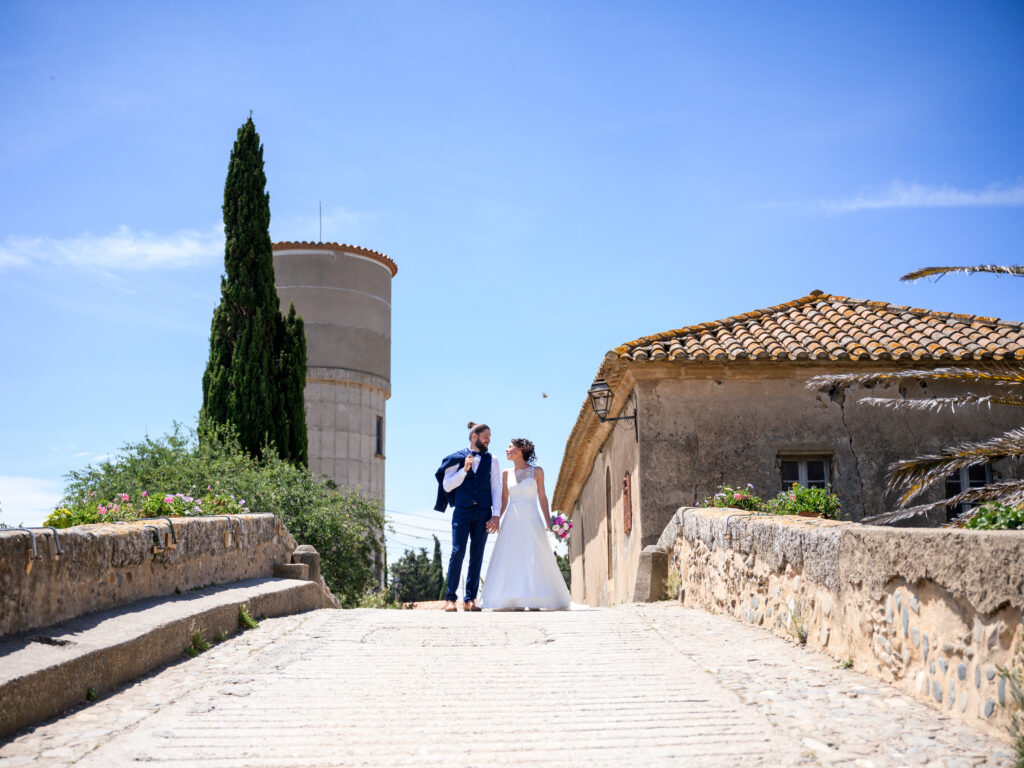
point(561, 176)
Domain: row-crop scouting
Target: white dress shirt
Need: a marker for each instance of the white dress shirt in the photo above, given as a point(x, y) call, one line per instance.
point(453, 477)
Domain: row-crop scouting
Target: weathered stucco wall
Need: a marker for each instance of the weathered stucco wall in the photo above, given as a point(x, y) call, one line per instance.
point(702, 425)
point(107, 565)
point(705, 425)
point(934, 612)
point(603, 501)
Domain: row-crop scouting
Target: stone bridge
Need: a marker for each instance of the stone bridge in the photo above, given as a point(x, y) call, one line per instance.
point(652, 684)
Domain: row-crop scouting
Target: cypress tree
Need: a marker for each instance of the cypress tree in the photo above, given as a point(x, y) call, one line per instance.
point(437, 570)
point(255, 376)
point(292, 367)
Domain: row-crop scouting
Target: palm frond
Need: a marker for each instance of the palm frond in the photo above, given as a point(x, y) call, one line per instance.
point(914, 476)
point(1009, 492)
point(937, 404)
point(898, 515)
point(999, 374)
point(940, 271)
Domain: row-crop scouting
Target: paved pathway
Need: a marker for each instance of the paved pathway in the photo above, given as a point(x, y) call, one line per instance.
point(635, 685)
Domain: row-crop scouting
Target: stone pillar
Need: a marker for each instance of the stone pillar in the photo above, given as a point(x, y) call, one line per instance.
point(651, 573)
point(308, 556)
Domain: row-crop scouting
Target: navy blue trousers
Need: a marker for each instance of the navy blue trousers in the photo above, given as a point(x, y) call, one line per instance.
point(467, 524)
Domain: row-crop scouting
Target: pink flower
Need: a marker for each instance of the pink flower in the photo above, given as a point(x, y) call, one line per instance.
point(145, 494)
point(124, 497)
point(168, 499)
point(113, 507)
point(101, 509)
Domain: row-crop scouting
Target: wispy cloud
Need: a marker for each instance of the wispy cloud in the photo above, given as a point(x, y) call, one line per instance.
point(121, 251)
point(901, 195)
point(27, 500)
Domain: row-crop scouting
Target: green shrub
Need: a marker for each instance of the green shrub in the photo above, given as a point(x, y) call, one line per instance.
point(205, 471)
point(380, 598)
point(819, 501)
point(245, 619)
point(730, 497)
point(199, 644)
point(995, 516)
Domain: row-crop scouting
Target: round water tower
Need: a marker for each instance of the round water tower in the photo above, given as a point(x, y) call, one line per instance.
point(343, 293)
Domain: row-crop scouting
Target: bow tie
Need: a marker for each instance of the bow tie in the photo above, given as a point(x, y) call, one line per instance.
point(474, 453)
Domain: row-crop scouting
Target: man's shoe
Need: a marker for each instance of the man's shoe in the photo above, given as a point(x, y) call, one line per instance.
point(450, 607)
point(470, 605)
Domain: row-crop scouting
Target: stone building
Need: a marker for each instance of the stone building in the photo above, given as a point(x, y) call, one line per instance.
point(725, 402)
point(343, 293)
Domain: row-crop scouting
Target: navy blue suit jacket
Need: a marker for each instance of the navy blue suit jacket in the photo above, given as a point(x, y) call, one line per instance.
point(445, 499)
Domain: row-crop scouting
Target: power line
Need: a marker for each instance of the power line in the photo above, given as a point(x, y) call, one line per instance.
point(435, 516)
point(406, 526)
point(418, 536)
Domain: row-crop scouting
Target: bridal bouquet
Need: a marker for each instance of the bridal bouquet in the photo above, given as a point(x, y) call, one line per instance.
point(560, 526)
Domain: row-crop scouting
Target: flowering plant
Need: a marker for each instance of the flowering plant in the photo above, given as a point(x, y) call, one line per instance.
point(560, 526)
point(123, 508)
point(734, 498)
point(798, 499)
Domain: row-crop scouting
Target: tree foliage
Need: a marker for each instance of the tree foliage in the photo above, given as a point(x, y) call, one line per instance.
point(416, 576)
point(565, 567)
point(256, 372)
point(909, 478)
point(439, 575)
point(339, 523)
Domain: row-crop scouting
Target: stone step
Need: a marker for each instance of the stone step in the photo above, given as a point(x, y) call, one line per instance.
point(46, 671)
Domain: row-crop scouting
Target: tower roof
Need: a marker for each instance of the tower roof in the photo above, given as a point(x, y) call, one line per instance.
point(381, 258)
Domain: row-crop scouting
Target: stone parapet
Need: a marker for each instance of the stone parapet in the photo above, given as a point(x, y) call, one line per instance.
point(108, 565)
point(933, 612)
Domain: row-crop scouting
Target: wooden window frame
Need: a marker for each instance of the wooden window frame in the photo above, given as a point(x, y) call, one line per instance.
point(963, 479)
point(802, 459)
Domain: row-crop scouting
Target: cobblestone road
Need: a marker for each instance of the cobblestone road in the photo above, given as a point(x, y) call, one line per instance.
point(635, 685)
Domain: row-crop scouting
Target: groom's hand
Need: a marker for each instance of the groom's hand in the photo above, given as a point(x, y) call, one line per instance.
point(492, 524)
point(467, 465)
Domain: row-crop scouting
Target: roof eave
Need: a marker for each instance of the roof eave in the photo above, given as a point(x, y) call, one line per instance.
point(587, 436)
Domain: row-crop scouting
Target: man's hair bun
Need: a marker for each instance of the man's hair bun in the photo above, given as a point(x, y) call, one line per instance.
point(471, 425)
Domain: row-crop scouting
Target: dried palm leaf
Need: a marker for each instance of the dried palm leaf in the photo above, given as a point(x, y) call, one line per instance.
point(914, 476)
point(937, 404)
point(999, 374)
point(917, 274)
point(1010, 492)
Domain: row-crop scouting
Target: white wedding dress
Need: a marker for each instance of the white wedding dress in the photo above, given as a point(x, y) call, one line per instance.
point(523, 572)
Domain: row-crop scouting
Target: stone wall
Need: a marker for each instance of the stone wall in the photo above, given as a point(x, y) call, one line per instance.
point(932, 611)
point(106, 565)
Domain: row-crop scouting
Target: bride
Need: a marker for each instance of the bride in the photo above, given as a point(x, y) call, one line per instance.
point(523, 572)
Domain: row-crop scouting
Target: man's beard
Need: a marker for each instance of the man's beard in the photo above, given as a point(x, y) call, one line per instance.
point(475, 445)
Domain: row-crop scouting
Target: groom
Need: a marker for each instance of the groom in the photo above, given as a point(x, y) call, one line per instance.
point(470, 481)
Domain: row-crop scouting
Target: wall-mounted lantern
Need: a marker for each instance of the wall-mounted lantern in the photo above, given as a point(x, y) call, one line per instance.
point(601, 401)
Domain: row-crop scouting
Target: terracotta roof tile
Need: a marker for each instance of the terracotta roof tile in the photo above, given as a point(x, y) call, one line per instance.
point(825, 327)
